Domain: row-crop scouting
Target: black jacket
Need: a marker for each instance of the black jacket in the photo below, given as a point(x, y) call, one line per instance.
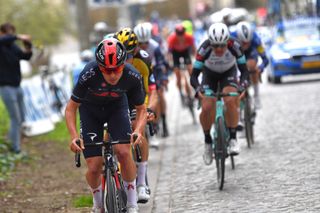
point(10, 55)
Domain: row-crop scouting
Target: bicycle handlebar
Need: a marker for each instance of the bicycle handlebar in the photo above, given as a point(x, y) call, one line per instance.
point(150, 124)
point(212, 94)
point(105, 143)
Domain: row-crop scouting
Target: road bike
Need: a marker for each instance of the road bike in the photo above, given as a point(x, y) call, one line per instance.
point(186, 98)
point(55, 93)
point(150, 132)
point(248, 114)
point(113, 192)
point(220, 134)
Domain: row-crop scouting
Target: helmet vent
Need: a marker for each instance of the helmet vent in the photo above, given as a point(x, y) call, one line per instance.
point(111, 58)
point(245, 31)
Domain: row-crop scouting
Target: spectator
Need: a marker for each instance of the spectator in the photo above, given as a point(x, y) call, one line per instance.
point(85, 56)
point(10, 78)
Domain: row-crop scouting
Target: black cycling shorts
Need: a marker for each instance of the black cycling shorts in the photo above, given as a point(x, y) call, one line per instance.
point(185, 55)
point(92, 119)
point(160, 77)
point(252, 54)
point(210, 79)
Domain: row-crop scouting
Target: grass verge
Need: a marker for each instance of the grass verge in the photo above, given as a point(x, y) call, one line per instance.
point(83, 201)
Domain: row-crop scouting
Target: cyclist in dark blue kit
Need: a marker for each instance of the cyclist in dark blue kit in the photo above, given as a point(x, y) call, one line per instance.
point(101, 96)
point(252, 48)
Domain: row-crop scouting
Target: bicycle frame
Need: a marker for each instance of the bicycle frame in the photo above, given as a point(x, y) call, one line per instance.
point(110, 162)
point(220, 114)
point(219, 108)
point(114, 194)
point(221, 134)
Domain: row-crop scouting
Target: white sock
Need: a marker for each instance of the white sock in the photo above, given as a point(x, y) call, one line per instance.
point(130, 188)
point(256, 90)
point(142, 168)
point(97, 196)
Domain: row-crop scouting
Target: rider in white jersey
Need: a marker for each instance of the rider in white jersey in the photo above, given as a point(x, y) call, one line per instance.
point(218, 58)
point(220, 64)
point(159, 64)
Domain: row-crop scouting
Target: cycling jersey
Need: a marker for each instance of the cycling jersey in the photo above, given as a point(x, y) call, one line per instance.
point(180, 45)
point(159, 63)
point(187, 24)
point(206, 58)
point(155, 54)
point(152, 49)
point(92, 88)
point(142, 62)
point(255, 49)
point(104, 103)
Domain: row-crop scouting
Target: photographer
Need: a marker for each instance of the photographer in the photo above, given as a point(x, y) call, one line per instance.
point(10, 78)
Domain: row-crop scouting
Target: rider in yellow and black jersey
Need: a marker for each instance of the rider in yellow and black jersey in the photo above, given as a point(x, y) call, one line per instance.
point(141, 60)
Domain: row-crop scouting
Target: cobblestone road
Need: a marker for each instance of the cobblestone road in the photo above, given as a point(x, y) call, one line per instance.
point(281, 173)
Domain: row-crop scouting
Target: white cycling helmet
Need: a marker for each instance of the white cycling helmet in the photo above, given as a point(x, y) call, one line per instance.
point(244, 31)
point(143, 31)
point(109, 35)
point(86, 55)
point(100, 27)
point(218, 33)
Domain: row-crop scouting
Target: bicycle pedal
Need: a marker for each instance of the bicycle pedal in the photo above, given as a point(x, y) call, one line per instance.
point(143, 201)
point(239, 128)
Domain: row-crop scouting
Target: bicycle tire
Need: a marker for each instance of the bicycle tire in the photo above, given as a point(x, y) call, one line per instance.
point(248, 122)
point(122, 196)
point(110, 194)
point(232, 162)
point(191, 109)
point(220, 152)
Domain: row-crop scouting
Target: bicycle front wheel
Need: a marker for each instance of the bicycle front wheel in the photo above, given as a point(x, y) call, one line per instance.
point(248, 122)
point(220, 152)
point(110, 194)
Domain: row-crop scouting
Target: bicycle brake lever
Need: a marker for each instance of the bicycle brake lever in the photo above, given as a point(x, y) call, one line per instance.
point(77, 156)
point(138, 150)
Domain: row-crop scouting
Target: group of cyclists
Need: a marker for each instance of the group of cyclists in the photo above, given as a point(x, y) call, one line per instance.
point(129, 75)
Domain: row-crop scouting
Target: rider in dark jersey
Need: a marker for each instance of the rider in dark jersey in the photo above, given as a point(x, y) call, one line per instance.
point(141, 61)
point(101, 96)
point(253, 48)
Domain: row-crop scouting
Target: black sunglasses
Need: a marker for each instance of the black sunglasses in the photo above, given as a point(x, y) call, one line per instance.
point(219, 45)
point(146, 42)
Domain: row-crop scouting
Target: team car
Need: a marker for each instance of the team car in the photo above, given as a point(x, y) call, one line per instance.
point(295, 49)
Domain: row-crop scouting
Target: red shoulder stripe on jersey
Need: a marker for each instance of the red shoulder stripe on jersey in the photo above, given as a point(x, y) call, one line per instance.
point(230, 43)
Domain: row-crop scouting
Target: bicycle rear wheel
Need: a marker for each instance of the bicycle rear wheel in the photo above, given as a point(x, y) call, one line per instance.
point(248, 122)
point(110, 194)
point(220, 153)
